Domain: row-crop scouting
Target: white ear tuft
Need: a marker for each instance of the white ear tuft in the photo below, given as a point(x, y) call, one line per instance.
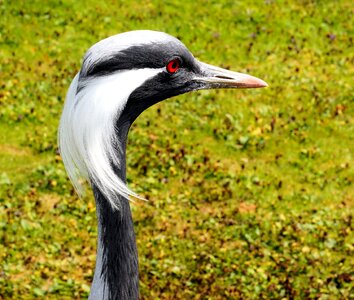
point(87, 138)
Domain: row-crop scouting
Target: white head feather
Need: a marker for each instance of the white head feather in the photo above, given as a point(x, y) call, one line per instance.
point(87, 140)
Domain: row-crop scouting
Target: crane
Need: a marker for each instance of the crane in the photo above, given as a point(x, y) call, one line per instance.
point(120, 77)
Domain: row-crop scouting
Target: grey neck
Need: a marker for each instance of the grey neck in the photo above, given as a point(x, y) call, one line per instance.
point(116, 273)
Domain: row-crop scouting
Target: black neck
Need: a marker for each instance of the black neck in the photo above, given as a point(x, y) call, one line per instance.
point(116, 274)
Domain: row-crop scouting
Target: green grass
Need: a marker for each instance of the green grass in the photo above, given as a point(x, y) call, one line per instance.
point(251, 191)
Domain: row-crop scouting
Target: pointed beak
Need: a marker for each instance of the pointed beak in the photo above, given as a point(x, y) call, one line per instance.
point(217, 78)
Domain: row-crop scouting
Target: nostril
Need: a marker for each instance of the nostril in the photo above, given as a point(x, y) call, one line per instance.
point(223, 77)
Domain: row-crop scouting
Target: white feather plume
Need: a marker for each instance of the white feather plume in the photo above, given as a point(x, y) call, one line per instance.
point(87, 140)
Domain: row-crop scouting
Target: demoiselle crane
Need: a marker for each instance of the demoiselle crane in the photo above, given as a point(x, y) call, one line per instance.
point(120, 77)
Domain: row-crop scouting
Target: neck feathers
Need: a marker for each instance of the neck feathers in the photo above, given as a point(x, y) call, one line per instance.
point(116, 274)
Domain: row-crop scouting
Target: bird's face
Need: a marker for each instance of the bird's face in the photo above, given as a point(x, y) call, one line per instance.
point(153, 66)
point(120, 77)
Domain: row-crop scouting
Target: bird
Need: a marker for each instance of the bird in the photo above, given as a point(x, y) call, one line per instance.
point(120, 77)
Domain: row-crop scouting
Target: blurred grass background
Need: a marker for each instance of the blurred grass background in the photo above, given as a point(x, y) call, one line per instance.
point(251, 191)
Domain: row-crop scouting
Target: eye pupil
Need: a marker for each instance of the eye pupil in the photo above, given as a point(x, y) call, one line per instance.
point(173, 66)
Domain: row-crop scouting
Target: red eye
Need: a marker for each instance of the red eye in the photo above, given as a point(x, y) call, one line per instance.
point(173, 66)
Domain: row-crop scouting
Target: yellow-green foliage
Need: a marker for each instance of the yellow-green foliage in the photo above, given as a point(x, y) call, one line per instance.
point(251, 191)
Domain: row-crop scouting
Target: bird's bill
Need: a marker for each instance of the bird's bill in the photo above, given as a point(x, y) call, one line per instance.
point(215, 77)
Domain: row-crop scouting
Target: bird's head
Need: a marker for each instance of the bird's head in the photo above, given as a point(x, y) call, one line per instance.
point(120, 77)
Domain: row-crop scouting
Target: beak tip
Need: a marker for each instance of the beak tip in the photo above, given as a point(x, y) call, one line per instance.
point(263, 84)
point(254, 82)
point(257, 83)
